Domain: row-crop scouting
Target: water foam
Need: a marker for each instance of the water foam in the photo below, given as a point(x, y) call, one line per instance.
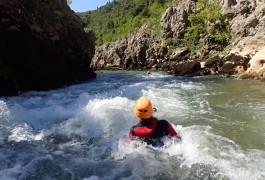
point(81, 132)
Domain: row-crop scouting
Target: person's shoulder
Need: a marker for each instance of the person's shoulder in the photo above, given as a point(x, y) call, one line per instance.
point(163, 121)
point(137, 125)
point(132, 128)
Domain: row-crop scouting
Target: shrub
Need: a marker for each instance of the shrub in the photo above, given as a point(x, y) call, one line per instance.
point(207, 26)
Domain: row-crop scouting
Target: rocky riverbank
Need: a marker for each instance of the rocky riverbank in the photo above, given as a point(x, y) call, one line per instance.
point(243, 56)
point(42, 46)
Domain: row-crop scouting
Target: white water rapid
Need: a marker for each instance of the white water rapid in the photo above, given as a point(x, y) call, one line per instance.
point(80, 132)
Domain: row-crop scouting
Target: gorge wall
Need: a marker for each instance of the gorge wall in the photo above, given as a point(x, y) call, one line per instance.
point(243, 56)
point(42, 46)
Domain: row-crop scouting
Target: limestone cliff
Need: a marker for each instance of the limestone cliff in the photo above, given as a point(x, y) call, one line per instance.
point(242, 56)
point(248, 35)
point(42, 46)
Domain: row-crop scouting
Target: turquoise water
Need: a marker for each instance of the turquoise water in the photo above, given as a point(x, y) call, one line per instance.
point(79, 132)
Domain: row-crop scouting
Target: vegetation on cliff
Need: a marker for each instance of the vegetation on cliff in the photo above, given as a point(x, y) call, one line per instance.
point(120, 17)
point(207, 27)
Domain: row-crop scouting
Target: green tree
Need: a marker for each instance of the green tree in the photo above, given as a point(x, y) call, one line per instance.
point(207, 25)
point(120, 17)
point(110, 24)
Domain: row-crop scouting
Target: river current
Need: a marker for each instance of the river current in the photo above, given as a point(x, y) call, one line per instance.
point(80, 132)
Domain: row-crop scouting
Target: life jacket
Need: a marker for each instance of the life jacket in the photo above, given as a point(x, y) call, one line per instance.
point(152, 131)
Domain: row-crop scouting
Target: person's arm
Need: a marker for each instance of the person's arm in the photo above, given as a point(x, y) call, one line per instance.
point(131, 136)
point(172, 132)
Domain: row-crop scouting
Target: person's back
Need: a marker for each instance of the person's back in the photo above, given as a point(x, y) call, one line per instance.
point(149, 129)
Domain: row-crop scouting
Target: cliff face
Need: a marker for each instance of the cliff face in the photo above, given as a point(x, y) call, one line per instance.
point(147, 51)
point(139, 52)
point(42, 46)
point(248, 35)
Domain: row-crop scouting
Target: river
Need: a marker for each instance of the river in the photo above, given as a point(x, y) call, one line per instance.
point(80, 132)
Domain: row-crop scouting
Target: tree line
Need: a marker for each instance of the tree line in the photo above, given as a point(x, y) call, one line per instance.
point(118, 18)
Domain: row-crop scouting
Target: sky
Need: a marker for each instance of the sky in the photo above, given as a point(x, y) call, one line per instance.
point(87, 5)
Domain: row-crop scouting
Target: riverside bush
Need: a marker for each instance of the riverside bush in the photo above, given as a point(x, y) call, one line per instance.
point(208, 25)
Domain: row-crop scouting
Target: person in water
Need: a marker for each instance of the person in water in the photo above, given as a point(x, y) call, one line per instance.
point(147, 73)
point(150, 129)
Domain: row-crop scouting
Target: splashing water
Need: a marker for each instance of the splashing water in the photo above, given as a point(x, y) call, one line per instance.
point(80, 132)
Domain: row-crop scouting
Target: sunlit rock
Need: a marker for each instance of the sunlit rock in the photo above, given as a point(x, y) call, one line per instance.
point(257, 64)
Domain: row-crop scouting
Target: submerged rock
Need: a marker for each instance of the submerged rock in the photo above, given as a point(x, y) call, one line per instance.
point(42, 46)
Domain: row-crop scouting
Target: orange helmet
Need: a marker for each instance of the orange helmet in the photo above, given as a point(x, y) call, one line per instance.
point(143, 109)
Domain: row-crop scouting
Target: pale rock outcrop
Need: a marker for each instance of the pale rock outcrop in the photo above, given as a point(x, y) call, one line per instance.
point(145, 50)
point(233, 64)
point(110, 55)
point(149, 51)
point(136, 49)
point(175, 19)
point(124, 54)
point(257, 65)
point(140, 51)
point(248, 19)
point(247, 31)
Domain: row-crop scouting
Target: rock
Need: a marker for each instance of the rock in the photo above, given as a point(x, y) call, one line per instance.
point(227, 65)
point(4, 20)
point(110, 53)
point(156, 53)
point(34, 43)
point(12, 29)
point(55, 38)
point(229, 3)
point(214, 64)
point(175, 19)
point(150, 51)
point(228, 68)
point(187, 68)
point(178, 53)
point(247, 18)
point(256, 65)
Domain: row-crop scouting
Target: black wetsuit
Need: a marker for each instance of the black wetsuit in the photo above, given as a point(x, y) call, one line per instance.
point(152, 130)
